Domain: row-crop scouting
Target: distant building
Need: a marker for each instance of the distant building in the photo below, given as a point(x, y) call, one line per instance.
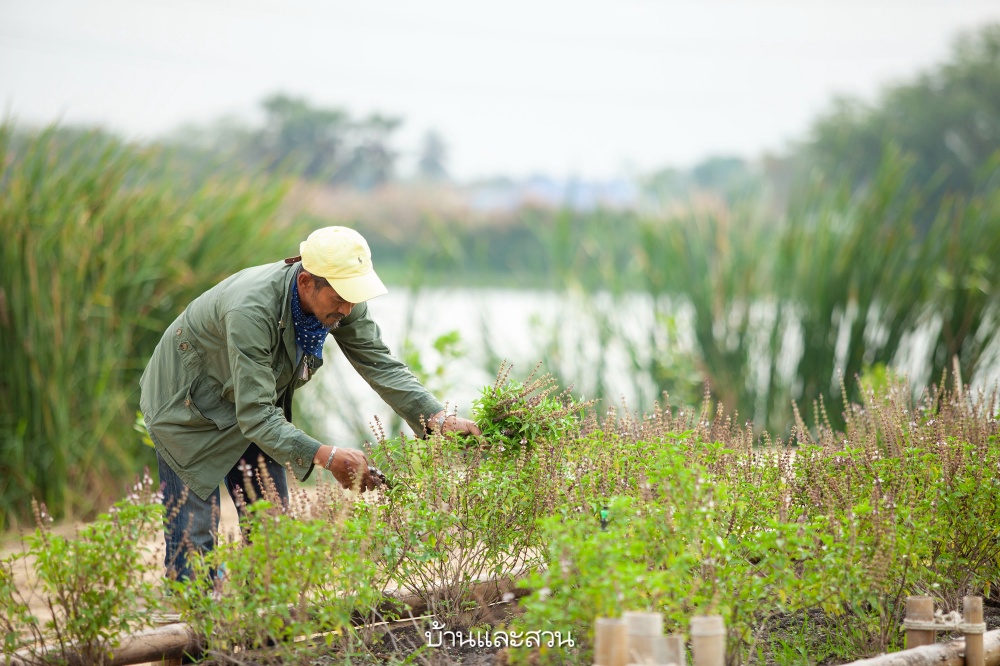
point(504, 194)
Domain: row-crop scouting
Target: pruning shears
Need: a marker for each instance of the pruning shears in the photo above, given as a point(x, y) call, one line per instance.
point(380, 477)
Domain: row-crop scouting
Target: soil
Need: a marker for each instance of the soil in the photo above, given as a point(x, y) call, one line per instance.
point(409, 641)
point(398, 643)
point(24, 577)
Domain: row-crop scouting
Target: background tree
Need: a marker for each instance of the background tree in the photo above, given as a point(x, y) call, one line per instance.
point(314, 143)
point(371, 161)
point(431, 165)
point(301, 136)
point(947, 121)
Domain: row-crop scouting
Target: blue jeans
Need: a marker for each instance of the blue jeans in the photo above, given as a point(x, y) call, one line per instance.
point(192, 524)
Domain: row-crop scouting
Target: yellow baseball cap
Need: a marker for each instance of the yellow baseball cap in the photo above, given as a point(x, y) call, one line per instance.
point(342, 256)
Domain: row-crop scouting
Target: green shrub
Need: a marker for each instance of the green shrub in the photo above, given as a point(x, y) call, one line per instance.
point(836, 531)
point(514, 415)
point(456, 515)
point(308, 570)
point(95, 587)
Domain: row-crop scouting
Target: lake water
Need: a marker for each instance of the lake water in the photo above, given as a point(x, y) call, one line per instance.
point(585, 337)
point(519, 326)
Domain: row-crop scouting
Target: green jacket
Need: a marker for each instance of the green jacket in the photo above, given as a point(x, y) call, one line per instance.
point(224, 373)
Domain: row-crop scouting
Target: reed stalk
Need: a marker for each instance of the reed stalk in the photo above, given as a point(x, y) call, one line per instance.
point(103, 244)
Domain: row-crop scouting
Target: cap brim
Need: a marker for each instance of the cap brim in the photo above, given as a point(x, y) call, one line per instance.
point(359, 289)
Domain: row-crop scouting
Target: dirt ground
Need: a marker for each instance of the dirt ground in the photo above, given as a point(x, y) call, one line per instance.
point(396, 643)
point(24, 572)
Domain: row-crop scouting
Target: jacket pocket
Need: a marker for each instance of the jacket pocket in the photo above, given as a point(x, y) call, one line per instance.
point(205, 396)
point(189, 354)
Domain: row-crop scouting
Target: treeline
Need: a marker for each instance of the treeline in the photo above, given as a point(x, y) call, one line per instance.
point(946, 120)
point(298, 138)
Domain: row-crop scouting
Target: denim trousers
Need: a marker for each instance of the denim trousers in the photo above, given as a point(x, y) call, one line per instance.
point(192, 524)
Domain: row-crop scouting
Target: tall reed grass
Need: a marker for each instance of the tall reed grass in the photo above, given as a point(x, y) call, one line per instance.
point(839, 287)
point(767, 306)
point(103, 244)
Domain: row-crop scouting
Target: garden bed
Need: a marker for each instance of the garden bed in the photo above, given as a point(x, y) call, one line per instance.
point(807, 548)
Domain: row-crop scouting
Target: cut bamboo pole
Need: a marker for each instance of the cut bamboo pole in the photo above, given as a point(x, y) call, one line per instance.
point(939, 654)
point(676, 654)
point(708, 640)
point(920, 609)
point(610, 642)
point(643, 630)
point(972, 614)
point(659, 651)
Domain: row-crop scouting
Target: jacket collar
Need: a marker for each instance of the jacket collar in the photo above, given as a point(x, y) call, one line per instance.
point(285, 325)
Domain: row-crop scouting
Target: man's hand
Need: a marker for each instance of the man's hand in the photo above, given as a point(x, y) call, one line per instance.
point(349, 467)
point(452, 423)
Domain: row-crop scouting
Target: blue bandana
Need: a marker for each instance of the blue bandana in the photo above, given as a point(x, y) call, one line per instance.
point(309, 332)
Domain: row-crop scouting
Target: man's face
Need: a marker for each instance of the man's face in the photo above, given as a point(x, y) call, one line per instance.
point(323, 302)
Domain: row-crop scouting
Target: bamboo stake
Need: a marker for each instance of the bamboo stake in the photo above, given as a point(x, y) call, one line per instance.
point(643, 630)
point(922, 610)
point(660, 651)
point(610, 642)
point(675, 650)
point(972, 613)
point(708, 640)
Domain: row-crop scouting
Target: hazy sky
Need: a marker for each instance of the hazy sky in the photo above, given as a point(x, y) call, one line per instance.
point(516, 87)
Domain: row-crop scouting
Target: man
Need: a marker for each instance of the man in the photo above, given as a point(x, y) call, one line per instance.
point(216, 395)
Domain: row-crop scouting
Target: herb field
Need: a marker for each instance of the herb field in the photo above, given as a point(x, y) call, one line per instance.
point(807, 548)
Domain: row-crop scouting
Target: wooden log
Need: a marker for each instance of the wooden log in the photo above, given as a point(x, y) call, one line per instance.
point(412, 605)
point(173, 641)
point(708, 640)
point(939, 654)
point(922, 610)
point(610, 642)
point(972, 613)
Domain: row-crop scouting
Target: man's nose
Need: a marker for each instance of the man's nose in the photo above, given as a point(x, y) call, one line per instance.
point(345, 308)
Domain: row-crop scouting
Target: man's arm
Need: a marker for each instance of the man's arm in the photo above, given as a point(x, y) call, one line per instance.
point(261, 420)
point(345, 465)
point(360, 339)
point(444, 423)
